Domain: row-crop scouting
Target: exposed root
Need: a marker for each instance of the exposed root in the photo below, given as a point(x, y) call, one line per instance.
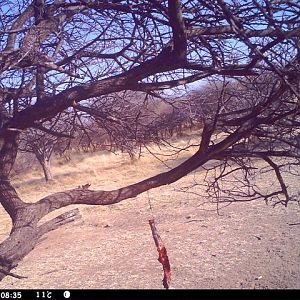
point(12, 274)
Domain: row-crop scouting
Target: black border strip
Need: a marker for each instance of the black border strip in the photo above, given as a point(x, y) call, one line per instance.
point(149, 294)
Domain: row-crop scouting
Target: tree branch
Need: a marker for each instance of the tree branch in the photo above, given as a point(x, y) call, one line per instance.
point(279, 178)
point(60, 220)
point(52, 132)
point(222, 30)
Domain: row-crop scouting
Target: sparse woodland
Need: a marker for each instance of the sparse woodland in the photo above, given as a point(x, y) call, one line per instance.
point(94, 71)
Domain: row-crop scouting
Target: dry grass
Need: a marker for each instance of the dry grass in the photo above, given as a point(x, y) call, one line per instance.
point(249, 245)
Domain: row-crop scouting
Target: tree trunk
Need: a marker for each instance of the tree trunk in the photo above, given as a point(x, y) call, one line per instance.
point(26, 232)
point(47, 170)
point(43, 158)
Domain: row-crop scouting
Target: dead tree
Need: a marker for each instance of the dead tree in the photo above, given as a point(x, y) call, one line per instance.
point(57, 56)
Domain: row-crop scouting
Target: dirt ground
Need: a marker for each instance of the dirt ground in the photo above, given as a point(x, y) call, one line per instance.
point(247, 246)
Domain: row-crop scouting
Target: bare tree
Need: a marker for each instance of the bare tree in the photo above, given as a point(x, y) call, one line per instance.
point(58, 56)
point(44, 140)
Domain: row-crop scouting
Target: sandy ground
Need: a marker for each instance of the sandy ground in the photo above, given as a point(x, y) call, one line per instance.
point(246, 246)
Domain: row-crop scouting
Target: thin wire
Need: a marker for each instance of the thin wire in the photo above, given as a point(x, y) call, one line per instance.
point(148, 196)
point(150, 205)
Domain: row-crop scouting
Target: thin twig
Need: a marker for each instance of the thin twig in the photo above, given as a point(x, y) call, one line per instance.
point(292, 224)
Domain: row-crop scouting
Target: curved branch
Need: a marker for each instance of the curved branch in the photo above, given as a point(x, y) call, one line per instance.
point(279, 178)
point(90, 197)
